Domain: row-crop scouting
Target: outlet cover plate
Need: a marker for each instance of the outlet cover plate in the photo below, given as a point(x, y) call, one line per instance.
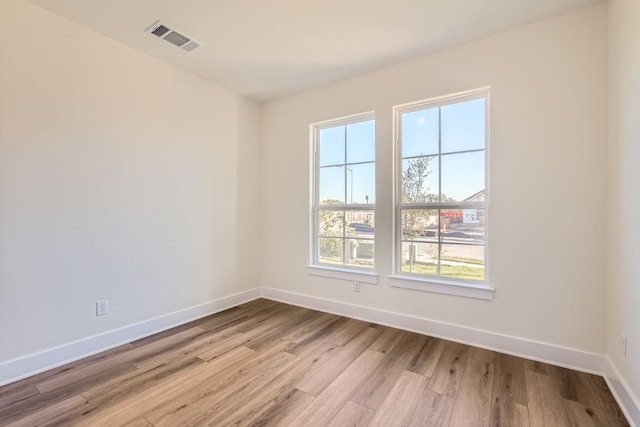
point(102, 307)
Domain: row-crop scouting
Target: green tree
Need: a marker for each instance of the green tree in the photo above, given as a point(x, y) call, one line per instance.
point(414, 191)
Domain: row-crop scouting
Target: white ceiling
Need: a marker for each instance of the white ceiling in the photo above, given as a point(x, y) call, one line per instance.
point(265, 49)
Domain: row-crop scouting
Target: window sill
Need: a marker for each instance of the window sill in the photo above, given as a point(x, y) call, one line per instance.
point(361, 276)
point(468, 290)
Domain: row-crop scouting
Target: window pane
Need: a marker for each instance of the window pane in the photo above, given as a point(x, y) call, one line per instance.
point(361, 145)
point(332, 185)
point(462, 176)
point(419, 224)
point(331, 223)
point(330, 250)
point(420, 133)
point(332, 146)
point(462, 262)
point(463, 226)
point(361, 183)
point(420, 180)
point(463, 126)
point(420, 258)
point(360, 224)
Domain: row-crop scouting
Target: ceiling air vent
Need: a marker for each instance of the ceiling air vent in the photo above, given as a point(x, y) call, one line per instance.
point(162, 31)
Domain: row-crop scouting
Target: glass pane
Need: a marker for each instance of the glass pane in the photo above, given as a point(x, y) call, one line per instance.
point(420, 180)
point(462, 262)
point(364, 252)
point(462, 176)
point(332, 185)
point(332, 146)
point(361, 142)
point(463, 226)
point(463, 126)
point(361, 183)
point(330, 250)
point(420, 258)
point(360, 224)
point(419, 224)
point(331, 223)
point(420, 133)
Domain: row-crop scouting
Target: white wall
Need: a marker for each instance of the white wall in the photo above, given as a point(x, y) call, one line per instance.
point(548, 177)
point(623, 249)
point(122, 178)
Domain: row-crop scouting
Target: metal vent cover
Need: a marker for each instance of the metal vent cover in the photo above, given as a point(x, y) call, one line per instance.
point(172, 36)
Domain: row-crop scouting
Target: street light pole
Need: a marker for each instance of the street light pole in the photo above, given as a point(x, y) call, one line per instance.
point(351, 170)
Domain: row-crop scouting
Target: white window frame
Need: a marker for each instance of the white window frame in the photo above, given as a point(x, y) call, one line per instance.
point(423, 282)
point(350, 273)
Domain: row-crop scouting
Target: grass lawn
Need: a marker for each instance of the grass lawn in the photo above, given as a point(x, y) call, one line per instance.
point(461, 259)
point(446, 271)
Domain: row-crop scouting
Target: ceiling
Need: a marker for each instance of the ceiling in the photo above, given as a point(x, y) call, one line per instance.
point(265, 49)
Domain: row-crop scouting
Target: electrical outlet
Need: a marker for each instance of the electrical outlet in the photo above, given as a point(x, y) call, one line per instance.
point(356, 286)
point(623, 345)
point(102, 307)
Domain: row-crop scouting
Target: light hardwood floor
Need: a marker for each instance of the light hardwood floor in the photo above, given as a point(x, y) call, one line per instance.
point(268, 363)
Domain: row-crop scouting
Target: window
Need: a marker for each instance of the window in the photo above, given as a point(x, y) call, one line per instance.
point(344, 193)
point(441, 193)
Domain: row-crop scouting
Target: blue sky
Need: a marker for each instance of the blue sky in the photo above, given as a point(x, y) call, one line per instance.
point(462, 128)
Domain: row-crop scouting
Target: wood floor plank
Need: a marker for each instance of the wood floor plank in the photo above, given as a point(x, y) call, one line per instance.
point(328, 403)
point(278, 412)
point(280, 331)
point(188, 348)
point(265, 363)
point(545, 402)
point(163, 396)
point(319, 378)
point(283, 416)
point(426, 358)
point(351, 329)
point(115, 365)
point(14, 395)
point(386, 340)
point(473, 401)
point(448, 372)
point(506, 412)
point(311, 327)
point(433, 410)
point(606, 401)
point(321, 334)
point(51, 415)
point(401, 403)
point(204, 406)
point(375, 388)
point(509, 382)
point(133, 383)
point(584, 416)
point(353, 415)
point(276, 390)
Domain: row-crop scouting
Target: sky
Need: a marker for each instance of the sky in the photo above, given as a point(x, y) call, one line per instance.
point(462, 174)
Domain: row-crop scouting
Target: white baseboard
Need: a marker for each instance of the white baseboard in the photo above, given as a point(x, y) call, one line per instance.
point(552, 354)
point(26, 366)
point(628, 402)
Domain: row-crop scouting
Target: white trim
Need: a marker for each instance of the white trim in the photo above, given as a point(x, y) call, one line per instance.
point(26, 366)
point(343, 274)
point(516, 346)
point(462, 289)
point(629, 403)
